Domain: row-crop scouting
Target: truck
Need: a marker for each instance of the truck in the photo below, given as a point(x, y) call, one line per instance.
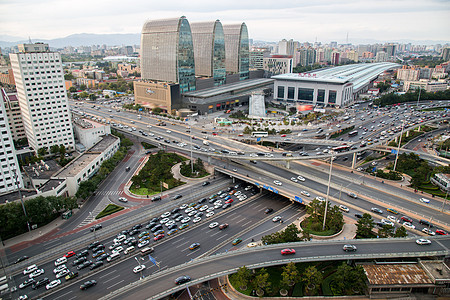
point(206, 143)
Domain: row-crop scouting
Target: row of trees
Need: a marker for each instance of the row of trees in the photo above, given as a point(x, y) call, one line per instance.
point(316, 211)
point(40, 211)
point(289, 235)
point(365, 226)
point(347, 280)
point(198, 166)
point(391, 98)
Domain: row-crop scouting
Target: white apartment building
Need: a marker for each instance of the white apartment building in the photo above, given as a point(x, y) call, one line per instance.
point(278, 64)
point(42, 96)
point(9, 166)
point(89, 132)
point(14, 115)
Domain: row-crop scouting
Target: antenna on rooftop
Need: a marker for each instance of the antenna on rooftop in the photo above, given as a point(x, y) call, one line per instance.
point(29, 39)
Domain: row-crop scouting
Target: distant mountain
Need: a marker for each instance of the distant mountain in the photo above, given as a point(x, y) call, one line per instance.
point(82, 39)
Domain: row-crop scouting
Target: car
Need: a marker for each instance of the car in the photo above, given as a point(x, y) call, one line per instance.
point(428, 231)
point(71, 275)
point(183, 226)
point(177, 196)
point(98, 253)
point(409, 225)
point(376, 210)
point(155, 198)
point(40, 283)
point(185, 220)
point(194, 246)
point(349, 247)
point(182, 279)
point(236, 241)
point(441, 232)
point(352, 195)
point(213, 225)
point(172, 226)
point(188, 210)
point(158, 237)
point(277, 182)
point(268, 210)
point(203, 208)
point(69, 254)
point(184, 206)
point(301, 178)
point(423, 242)
point(138, 269)
point(426, 223)
point(82, 253)
point(387, 222)
point(424, 200)
point(391, 210)
point(102, 257)
point(287, 251)
point(173, 230)
point(206, 183)
point(36, 273)
point(223, 226)
point(20, 259)
point(118, 249)
point(165, 215)
point(60, 261)
point(392, 218)
point(88, 284)
point(210, 214)
point(123, 199)
point(62, 273)
point(113, 246)
point(53, 284)
point(165, 220)
point(406, 219)
point(123, 237)
point(344, 208)
point(96, 265)
point(229, 201)
point(197, 219)
point(252, 244)
point(226, 205)
point(359, 216)
point(305, 193)
point(27, 283)
point(93, 245)
point(84, 265)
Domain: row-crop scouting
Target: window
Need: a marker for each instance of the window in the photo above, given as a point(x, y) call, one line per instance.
point(291, 91)
point(305, 94)
point(321, 96)
point(332, 97)
point(280, 92)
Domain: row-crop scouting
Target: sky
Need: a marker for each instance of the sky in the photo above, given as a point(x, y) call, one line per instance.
point(301, 20)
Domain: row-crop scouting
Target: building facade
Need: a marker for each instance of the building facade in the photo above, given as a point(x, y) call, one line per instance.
point(14, 115)
point(256, 60)
point(209, 50)
point(10, 176)
point(278, 64)
point(89, 132)
point(167, 52)
point(237, 50)
point(42, 96)
point(152, 94)
point(408, 74)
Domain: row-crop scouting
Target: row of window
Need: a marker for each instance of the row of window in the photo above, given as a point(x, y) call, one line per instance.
point(305, 94)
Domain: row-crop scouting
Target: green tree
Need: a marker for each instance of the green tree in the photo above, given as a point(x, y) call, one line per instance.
point(92, 97)
point(262, 281)
point(83, 87)
point(386, 231)
point(68, 76)
point(54, 149)
point(400, 232)
point(242, 277)
point(290, 274)
point(43, 151)
point(364, 226)
point(348, 279)
point(156, 110)
point(72, 89)
point(313, 280)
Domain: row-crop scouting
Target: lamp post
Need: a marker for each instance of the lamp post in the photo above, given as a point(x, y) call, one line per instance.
point(16, 177)
point(445, 201)
point(398, 146)
point(139, 266)
point(328, 191)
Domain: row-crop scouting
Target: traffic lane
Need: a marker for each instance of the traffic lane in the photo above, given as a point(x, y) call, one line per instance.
point(247, 258)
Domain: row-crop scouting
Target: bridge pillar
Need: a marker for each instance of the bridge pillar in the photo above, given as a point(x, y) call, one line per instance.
point(407, 133)
point(288, 164)
point(233, 179)
point(354, 160)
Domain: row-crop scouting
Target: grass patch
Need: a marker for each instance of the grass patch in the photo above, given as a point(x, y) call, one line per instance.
point(310, 226)
point(148, 146)
point(110, 209)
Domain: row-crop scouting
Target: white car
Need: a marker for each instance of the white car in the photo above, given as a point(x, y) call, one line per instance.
point(184, 206)
point(423, 242)
point(277, 182)
point(294, 179)
point(238, 193)
point(165, 215)
point(170, 223)
point(387, 222)
point(62, 273)
point(123, 199)
point(252, 244)
point(344, 208)
point(203, 208)
point(188, 210)
point(300, 178)
point(113, 246)
point(53, 284)
point(60, 261)
point(165, 220)
point(210, 214)
point(168, 131)
point(253, 155)
point(424, 200)
point(59, 269)
point(305, 193)
point(392, 218)
point(218, 202)
point(118, 249)
point(217, 206)
point(139, 269)
point(36, 273)
point(248, 187)
point(276, 219)
point(185, 220)
point(321, 199)
point(143, 243)
point(210, 209)
point(409, 225)
point(427, 231)
point(196, 220)
point(120, 238)
point(213, 224)
point(192, 213)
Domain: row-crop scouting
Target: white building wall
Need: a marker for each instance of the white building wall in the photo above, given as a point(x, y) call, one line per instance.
point(90, 136)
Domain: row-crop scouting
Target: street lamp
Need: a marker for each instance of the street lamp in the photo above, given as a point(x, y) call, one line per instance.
point(16, 177)
point(398, 146)
point(328, 190)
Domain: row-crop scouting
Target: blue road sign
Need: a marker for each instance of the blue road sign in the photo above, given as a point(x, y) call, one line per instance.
point(258, 139)
point(298, 199)
point(153, 260)
point(374, 169)
point(393, 151)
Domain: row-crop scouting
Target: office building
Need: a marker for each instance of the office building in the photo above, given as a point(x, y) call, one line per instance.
point(9, 166)
point(446, 54)
point(278, 64)
point(209, 50)
point(305, 57)
point(14, 115)
point(381, 56)
point(167, 52)
point(408, 74)
point(42, 96)
point(335, 58)
point(237, 50)
point(286, 47)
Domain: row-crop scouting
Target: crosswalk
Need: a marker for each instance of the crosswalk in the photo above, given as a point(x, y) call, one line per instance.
point(100, 206)
point(106, 193)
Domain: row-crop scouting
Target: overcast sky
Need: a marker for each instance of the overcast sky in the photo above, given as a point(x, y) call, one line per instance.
point(302, 20)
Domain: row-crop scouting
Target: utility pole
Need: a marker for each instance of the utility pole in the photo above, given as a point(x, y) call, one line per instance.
point(328, 191)
point(398, 146)
point(16, 177)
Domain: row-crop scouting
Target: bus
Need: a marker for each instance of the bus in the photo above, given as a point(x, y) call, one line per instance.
point(147, 250)
point(341, 148)
point(353, 133)
point(260, 134)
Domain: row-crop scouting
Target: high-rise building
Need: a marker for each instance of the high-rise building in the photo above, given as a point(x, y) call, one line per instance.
point(42, 96)
point(307, 56)
point(381, 56)
point(167, 52)
point(286, 47)
point(446, 54)
point(10, 176)
point(14, 115)
point(335, 57)
point(391, 50)
point(408, 74)
point(278, 64)
point(256, 60)
point(237, 50)
point(209, 50)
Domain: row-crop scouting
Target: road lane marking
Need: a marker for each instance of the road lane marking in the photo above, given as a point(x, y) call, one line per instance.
point(239, 221)
point(108, 273)
point(221, 237)
point(115, 284)
point(245, 224)
point(193, 252)
point(111, 279)
point(181, 245)
point(63, 295)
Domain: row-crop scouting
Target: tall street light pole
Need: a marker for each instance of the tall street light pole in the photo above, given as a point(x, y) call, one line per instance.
point(328, 190)
point(399, 144)
point(16, 177)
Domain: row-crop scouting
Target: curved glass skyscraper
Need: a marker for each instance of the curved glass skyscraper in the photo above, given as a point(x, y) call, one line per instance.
point(237, 49)
point(209, 50)
point(167, 52)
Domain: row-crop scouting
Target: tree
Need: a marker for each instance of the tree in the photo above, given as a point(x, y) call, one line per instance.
point(68, 76)
point(400, 232)
point(43, 151)
point(72, 89)
point(54, 149)
point(290, 274)
point(261, 281)
point(156, 110)
point(365, 226)
point(93, 97)
point(242, 277)
point(312, 279)
point(386, 231)
point(348, 279)
point(83, 87)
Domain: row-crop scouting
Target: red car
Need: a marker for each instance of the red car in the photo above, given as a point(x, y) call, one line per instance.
point(229, 201)
point(69, 254)
point(441, 232)
point(287, 251)
point(158, 237)
point(283, 135)
point(214, 133)
point(406, 219)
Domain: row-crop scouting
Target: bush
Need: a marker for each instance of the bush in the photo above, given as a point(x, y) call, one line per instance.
point(110, 209)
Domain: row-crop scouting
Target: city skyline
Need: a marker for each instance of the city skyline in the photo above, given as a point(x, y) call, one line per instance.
point(323, 21)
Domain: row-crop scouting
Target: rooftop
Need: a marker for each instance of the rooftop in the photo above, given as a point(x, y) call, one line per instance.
point(231, 87)
point(50, 185)
point(438, 270)
point(42, 170)
point(86, 123)
point(396, 274)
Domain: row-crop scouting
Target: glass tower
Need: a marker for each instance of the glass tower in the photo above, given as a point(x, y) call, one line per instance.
point(167, 52)
point(237, 49)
